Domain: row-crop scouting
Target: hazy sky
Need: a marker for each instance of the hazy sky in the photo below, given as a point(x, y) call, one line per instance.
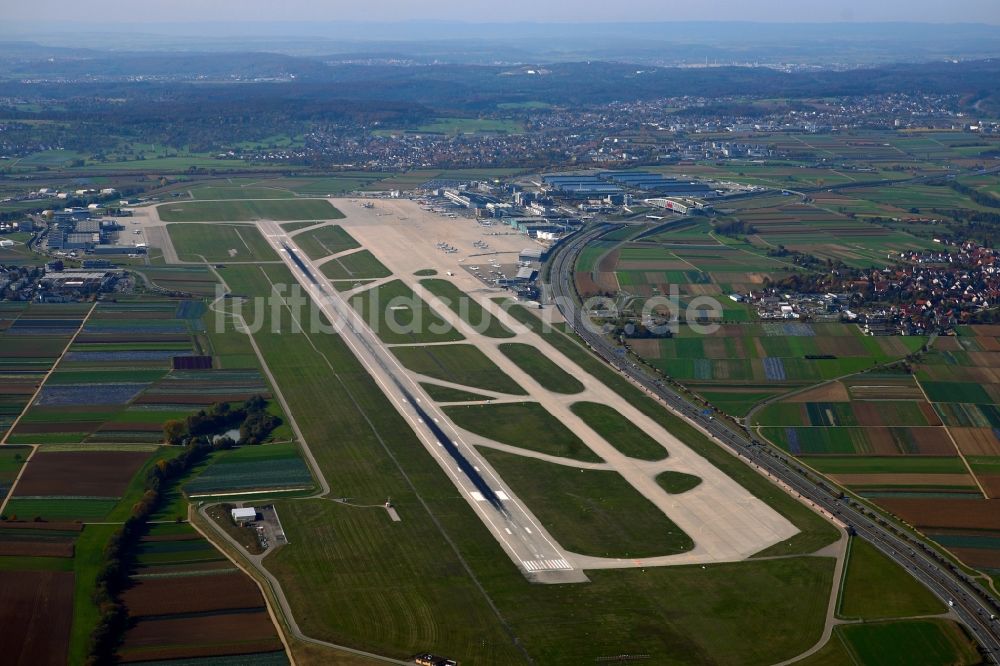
point(107, 11)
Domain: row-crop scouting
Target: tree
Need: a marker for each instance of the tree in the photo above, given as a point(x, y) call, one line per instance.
point(173, 431)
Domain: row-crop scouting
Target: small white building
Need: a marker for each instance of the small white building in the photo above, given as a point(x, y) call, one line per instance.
point(245, 515)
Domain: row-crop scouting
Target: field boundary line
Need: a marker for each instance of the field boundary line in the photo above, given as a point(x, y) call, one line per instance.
point(24, 466)
point(48, 374)
point(951, 438)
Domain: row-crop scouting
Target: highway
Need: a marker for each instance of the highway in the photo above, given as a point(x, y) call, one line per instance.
point(970, 602)
point(528, 544)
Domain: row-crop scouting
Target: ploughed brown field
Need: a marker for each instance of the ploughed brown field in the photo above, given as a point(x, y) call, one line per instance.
point(202, 636)
point(976, 441)
point(192, 594)
point(25, 548)
point(959, 514)
point(585, 284)
point(978, 557)
point(43, 526)
point(80, 473)
point(36, 612)
point(57, 426)
point(19, 388)
point(131, 427)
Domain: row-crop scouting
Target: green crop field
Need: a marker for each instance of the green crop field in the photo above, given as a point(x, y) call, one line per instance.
point(355, 266)
point(220, 242)
point(523, 424)
point(60, 508)
point(324, 241)
point(467, 308)
point(397, 315)
point(619, 431)
point(952, 647)
point(591, 512)
point(886, 465)
point(875, 587)
point(274, 466)
point(246, 210)
point(907, 643)
point(542, 369)
point(11, 459)
point(459, 364)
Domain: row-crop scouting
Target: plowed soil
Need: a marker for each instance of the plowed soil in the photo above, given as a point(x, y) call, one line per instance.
point(80, 473)
point(36, 611)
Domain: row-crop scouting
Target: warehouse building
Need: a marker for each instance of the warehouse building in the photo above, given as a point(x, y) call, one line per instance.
point(244, 515)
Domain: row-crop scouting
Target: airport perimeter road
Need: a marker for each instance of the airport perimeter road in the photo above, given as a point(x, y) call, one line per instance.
point(529, 545)
point(969, 600)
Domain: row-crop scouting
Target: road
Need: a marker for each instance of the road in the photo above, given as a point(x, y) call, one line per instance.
point(529, 545)
point(970, 602)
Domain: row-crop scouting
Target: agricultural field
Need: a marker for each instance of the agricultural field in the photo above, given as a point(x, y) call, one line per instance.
point(740, 365)
point(457, 364)
point(129, 371)
point(272, 467)
point(32, 337)
point(187, 601)
point(36, 608)
point(11, 460)
point(219, 242)
point(827, 233)
point(247, 210)
point(66, 486)
point(924, 446)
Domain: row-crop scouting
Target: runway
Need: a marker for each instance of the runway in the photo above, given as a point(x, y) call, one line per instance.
point(522, 536)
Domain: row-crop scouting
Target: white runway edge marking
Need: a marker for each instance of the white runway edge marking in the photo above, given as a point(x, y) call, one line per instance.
point(546, 565)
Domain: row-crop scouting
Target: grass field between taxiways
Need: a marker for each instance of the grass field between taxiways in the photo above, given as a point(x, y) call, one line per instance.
point(458, 364)
point(247, 210)
point(354, 577)
point(590, 512)
point(219, 242)
point(542, 369)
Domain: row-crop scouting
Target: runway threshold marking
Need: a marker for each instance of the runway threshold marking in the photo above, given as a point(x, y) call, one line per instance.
point(546, 565)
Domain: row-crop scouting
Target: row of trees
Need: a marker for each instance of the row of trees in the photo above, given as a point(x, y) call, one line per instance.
point(119, 553)
point(251, 418)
